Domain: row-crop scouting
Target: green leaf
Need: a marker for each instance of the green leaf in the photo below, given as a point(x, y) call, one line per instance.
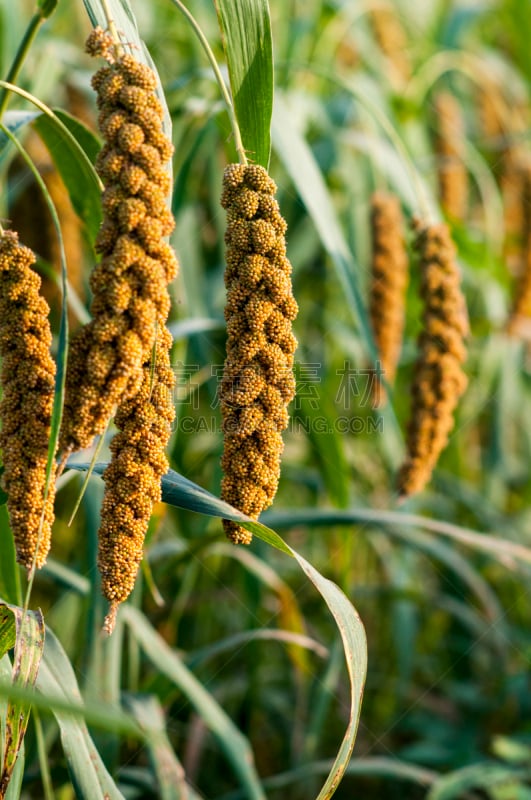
point(478, 776)
point(83, 135)
point(179, 491)
point(28, 628)
point(374, 766)
point(511, 554)
point(234, 744)
point(71, 157)
point(74, 168)
point(9, 573)
point(8, 633)
point(246, 33)
point(122, 15)
point(89, 774)
point(149, 714)
point(303, 169)
point(14, 121)
point(47, 7)
point(301, 166)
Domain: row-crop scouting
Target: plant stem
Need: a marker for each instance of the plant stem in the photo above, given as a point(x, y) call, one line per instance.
point(219, 77)
point(118, 49)
point(24, 46)
point(43, 758)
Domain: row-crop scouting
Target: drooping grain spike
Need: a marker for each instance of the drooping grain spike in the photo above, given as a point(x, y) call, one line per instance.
point(132, 479)
point(439, 379)
point(389, 277)
point(28, 384)
point(130, 296)
point(258, 381)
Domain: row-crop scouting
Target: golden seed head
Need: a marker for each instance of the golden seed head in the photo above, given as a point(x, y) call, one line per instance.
point(258, 381)
point(130, 284)
point(389, 276)
point(132, 479)
point(28, 384)
point(439, 379)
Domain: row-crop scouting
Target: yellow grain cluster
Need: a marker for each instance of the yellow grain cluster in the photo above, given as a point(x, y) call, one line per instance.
point(28, 381)
point(258, 381)
point(450, 148)
point(439, 379)
point(130, 284)
point(132, 479)
point(389, 277)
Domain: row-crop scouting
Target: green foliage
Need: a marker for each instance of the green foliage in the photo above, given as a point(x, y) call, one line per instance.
point(246, 27)
point(225, 677)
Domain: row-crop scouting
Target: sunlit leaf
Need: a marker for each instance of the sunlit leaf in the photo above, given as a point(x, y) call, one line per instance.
point(246, 29)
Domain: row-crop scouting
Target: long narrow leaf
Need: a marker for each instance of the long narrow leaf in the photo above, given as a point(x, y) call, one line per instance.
point(57, 678)
point(28, 630)
point(181, 492)
point(234, 744)
point(246, 29)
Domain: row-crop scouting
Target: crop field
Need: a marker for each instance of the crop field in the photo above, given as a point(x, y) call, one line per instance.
point(265, 400)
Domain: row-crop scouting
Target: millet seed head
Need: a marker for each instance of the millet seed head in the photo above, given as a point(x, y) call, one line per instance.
point(439, 379)
point(28, 384)
point(132, 479)
point(255, 391)
point(129, 298)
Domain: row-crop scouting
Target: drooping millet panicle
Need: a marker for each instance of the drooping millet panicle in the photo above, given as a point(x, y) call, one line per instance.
point(392, 39)
point(389, 277)
point(258, 381)
point(439, 379)
point(519, 323)
point(132, 479)
point(449, 145)
point(130, 296)
point(28, 383)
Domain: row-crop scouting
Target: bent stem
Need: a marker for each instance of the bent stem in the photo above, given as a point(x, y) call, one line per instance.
point(219, 78)
point(23, 48)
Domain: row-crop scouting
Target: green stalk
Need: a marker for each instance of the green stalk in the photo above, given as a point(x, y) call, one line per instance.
point(219, 78)
point(24, 46)
point(43, 757)
point(118, 49)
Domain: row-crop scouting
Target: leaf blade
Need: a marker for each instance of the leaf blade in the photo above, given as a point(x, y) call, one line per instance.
point(247, 41)
point(89, 774)
point(178, 490)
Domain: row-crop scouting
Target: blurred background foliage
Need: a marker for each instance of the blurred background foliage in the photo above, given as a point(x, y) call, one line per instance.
point(447, 617)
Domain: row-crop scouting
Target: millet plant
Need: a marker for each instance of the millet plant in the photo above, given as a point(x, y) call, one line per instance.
point(264, 268)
